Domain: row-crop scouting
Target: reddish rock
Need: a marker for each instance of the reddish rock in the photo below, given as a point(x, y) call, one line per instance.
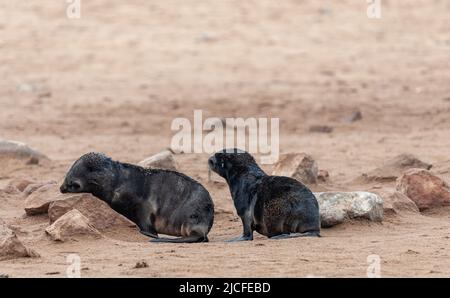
point(71, 225)
point(39, 201)
point(299, 166)
point(99, 214)
point(424, 188)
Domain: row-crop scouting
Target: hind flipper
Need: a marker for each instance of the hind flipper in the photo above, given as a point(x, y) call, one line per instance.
point(296, 235)
point(149, 234)
point(190, 239)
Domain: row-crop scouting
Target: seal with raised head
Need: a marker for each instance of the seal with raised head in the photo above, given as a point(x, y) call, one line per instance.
point(275, 206)
point(158, 201)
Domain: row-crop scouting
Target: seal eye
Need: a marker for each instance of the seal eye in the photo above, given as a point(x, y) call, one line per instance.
point(75, 185)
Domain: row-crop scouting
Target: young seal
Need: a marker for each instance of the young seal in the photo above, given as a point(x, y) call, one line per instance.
point(274, 206)
point(158, 201)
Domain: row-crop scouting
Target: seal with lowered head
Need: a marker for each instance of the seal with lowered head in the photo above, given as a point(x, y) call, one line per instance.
point(274, 206)
point(158, 201)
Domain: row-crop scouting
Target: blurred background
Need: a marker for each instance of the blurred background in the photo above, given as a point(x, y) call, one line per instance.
point(114, 79)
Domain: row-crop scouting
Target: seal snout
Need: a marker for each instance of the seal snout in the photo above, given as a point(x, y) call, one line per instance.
point(212, 162)
point(63, 188)
point(71, 186)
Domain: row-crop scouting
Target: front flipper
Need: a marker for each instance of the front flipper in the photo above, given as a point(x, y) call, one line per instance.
point(247, 222)
point(241, 238)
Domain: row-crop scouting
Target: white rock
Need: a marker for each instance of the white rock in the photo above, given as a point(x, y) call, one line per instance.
point(163, 160)
point(337, 207)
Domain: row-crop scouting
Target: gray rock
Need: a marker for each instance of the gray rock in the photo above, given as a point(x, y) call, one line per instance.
point(337, 207)
point(353, 117)
point(163, 160)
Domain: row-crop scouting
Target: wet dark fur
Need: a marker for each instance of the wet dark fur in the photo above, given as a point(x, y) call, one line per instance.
point(158, 201)
point(273, 206)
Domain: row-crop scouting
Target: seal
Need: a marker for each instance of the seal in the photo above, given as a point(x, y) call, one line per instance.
point(274, 206)
point(158, 201)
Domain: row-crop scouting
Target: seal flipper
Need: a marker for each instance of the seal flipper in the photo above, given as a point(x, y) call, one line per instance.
point(190, 239)
point(241, 238)
point(296, 235)
point(148, 234)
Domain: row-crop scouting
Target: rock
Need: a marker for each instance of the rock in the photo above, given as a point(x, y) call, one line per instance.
point(39, 201)
point(397, 203)
point(48, 199)
point(394, 168)
point(337, 207)
point(35, 186)
point(11, 247)
point(10, 189)
point(323, 176)
point(442, 169)
point(71, 225)
point(20, 184)
point(25, 88)
point(140, 265)
point(163, 160)
point(17, 150)
point(99, 214)
point(353, 117)
point(4, 230)
point(424, 188)
point(299, 166)
point(321, 128)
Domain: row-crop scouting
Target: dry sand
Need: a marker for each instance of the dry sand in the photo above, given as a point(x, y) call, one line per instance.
point(114, 80)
